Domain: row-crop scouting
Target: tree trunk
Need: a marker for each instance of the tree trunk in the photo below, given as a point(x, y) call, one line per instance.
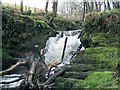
point(105, 7)
point(46, 7)
point(108, 5)
point(117, 5)
point(96, 6)
point(84, 10)
point(21, 7)
point(15, 6)
point(31, 74)
point(55, 3)
point(92, 6)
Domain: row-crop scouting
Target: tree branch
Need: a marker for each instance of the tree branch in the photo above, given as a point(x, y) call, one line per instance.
point(52, 77)
point(18, 64)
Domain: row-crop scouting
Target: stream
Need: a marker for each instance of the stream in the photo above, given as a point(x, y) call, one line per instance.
point(53, 51)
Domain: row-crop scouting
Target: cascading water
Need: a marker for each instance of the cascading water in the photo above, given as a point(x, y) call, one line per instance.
point(54, 46)
point(53, 51)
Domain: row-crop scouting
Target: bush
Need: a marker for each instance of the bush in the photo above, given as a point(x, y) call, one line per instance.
point(101, 23)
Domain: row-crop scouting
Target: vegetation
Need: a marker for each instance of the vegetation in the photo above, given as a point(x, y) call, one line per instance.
point(95, 67)
point(21, 32)
point(101, 28)
point(98, 80)
point(100, 60)
point(100, 38)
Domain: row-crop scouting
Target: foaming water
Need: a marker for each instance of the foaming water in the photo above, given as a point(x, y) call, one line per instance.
point(53, 51)
point(54, 46)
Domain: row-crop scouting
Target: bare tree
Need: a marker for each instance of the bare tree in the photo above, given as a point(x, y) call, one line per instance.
point(105, 6)
point(84, 9)
point(55, 4)
point(108, 5)
point(46, 7)
point(21, 7)
point(15, 6)
point(92, 6)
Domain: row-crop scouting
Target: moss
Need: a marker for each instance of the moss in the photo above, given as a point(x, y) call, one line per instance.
point(100, 80)
point(21, 33)
point(79, 67)
point(61, 24)
point(64, 82)
point(78, 84)
point(101, 28)
point(7, 58)
point(76, 75)
point(108, 56)
point(42, 24)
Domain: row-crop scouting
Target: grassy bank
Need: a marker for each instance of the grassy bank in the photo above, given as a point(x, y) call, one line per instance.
point(99, 62)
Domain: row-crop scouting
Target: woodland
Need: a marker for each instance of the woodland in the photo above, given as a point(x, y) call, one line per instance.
point(26, 29)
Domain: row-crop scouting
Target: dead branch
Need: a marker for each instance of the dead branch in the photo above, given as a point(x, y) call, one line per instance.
point(52, 77)
point(18, 64)
point(16, 80)
point(63, 53)
point(78, 49)
point(31, 74)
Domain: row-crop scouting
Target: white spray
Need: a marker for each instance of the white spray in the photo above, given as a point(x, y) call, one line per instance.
point(54, 46)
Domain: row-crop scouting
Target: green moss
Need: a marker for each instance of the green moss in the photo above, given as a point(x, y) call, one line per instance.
point(79, 67)
point(108, 56)
point(64, 82)
point(7, 58)
point(100, 80)
point(42, 24)
point(78, 84)
point(21, 33)
point(101, 29)
point(61, 24)
point(76, 75)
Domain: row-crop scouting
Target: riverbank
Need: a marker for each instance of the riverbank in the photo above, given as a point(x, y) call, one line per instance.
point(98, 65)
point(95, 67)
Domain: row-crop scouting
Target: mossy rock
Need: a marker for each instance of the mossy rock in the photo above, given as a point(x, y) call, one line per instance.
point(61, 24)
point(64, 82)
point(98, 80)
point(79, 67)
point(76, 75)
point(107, 55)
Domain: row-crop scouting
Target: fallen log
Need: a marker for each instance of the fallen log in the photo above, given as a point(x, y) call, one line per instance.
point(52, 77)
point(18, 64)
point(31, 74)
point(16, 80)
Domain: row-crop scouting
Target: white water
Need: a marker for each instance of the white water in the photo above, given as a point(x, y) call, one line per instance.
point(54, 49)
point(9, 78)
point(54, 46)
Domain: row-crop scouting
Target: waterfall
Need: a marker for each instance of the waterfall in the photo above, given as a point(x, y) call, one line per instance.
point(53, 51)
point(54, 46)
